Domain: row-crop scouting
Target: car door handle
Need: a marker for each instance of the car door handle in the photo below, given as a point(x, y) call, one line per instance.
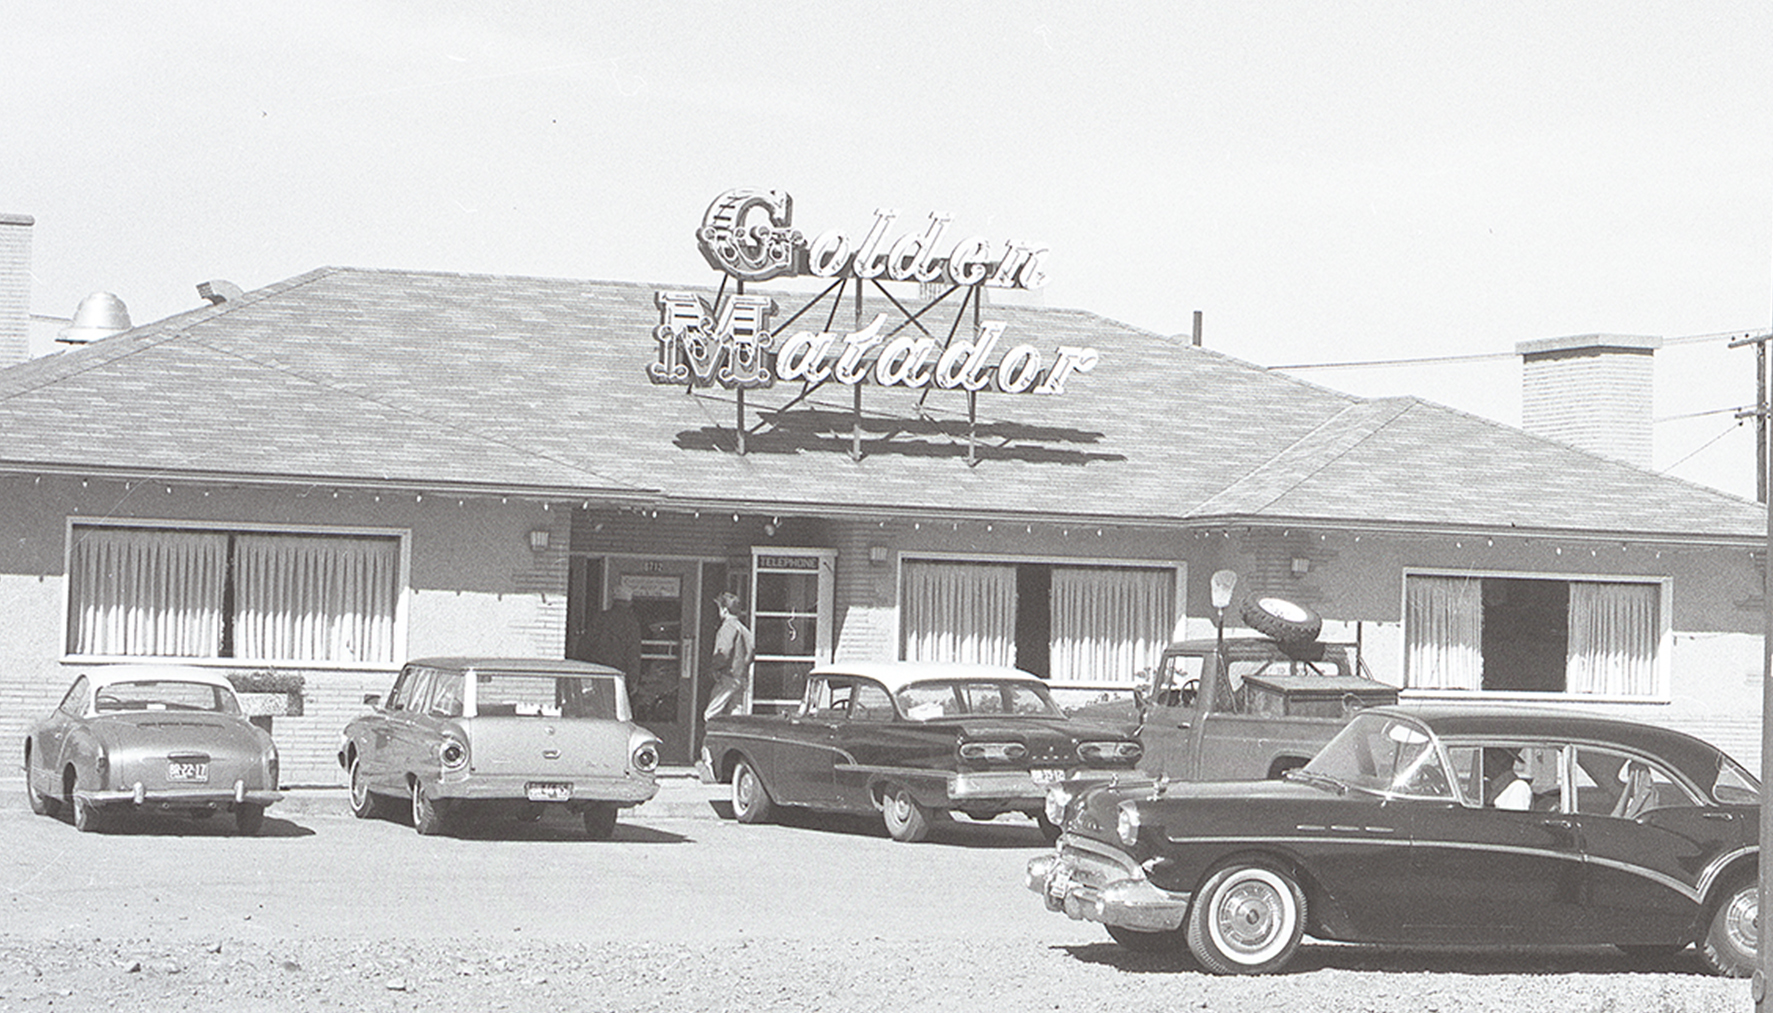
point(1726, 817)
point(1559, 822)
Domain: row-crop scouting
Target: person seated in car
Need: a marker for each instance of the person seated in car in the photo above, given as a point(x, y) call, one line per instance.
point(1637, 792)
point(1509, 786)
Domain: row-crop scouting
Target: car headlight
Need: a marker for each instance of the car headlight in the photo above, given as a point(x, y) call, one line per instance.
point(454, 755)
point(271, 765)
point(1059, 798)
point(1110, 752)
point(1126, 825)
point(646, 757)
point(1001, 752)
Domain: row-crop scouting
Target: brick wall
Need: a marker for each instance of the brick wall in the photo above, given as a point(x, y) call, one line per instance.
point(15, 288)
point(1592, 392)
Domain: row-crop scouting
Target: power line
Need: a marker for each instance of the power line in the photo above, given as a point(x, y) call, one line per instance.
point(1685, 339)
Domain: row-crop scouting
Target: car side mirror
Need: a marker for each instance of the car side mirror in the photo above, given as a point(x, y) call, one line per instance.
point(372, 699)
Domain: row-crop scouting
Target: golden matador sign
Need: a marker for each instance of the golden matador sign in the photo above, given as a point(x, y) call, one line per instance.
point(748, 235)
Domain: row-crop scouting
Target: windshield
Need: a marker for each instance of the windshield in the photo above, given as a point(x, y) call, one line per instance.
point(922, 701)
point(516, 694)
point(164, 695)
point(1386, 754)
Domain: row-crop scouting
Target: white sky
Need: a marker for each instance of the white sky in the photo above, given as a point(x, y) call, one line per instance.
point(1325, 181)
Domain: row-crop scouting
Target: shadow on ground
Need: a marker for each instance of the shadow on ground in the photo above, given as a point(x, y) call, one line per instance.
point(1315, 956)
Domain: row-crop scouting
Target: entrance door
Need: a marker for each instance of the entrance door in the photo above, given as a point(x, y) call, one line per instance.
point(665, 597)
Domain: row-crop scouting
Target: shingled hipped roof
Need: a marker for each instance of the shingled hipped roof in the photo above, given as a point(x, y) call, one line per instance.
point(445, 381)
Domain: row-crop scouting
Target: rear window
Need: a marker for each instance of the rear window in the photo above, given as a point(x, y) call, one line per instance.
point(923, 701)
point(165, 695)
point(525, 695)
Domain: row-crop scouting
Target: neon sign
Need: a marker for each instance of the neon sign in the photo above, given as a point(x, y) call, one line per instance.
point(738, 350)
point(749, 235)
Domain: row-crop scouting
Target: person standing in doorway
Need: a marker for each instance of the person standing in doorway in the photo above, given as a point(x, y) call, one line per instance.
point(616, 643)
point(732, 658)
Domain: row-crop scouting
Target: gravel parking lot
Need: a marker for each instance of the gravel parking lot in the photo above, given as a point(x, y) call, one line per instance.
point(682, 911)
point(865, 973)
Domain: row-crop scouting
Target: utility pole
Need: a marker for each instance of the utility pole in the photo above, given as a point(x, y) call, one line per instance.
point(1758, 988)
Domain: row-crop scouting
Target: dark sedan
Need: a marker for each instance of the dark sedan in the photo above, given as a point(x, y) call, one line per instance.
point(913, 741)
point(1446, 826)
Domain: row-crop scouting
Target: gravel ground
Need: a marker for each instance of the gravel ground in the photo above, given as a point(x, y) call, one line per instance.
point(865, 975)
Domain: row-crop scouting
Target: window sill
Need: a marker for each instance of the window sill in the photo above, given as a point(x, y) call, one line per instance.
point(256, 663)
point(1523, 696)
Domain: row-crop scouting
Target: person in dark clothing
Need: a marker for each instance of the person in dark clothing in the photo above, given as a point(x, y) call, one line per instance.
point(614, 639)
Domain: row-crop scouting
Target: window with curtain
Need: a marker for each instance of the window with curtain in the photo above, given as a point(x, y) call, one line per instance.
point(259, 596)
point(959, 612)
point(1514, 634)
point(1109, 624)
point(1069, 624)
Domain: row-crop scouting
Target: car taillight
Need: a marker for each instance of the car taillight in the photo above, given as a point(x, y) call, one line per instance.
point(1001, 752)
point(646, 758)
point(271, 770)
point(102, 770)
point(1109, 752)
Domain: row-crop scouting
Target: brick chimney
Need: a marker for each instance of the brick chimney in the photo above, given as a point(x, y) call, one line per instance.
point(1592, 391)
point(15, 288)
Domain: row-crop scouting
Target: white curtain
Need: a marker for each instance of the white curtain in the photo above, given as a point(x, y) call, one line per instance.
point(145, 592)
point(959, 612)
point(1109, 624)
point(1444, 633)
point(315, 598)
point(1613, 634)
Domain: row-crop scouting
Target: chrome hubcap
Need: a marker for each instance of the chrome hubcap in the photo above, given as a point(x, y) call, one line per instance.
point(744, 790)
point(1248, 916)
point(1742, 921)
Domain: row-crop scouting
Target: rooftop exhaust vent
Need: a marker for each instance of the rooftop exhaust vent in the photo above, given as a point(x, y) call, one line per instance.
point(99, 315)
point(218, 291)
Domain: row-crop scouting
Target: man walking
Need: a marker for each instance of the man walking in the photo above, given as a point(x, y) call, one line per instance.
point(732, 658)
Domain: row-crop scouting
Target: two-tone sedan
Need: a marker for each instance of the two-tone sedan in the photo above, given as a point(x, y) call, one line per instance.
point(1446, 826)
point(459, 737)
point(914, 742)
point(150, 738)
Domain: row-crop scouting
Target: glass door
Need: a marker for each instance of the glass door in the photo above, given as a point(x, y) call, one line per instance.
point(791, 620)
point(661, 596)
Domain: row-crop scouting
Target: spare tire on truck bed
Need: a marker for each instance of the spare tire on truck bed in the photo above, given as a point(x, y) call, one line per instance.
point(1286, 621)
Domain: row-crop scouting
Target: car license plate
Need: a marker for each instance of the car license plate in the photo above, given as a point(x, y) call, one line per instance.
point(1047, 775)
point(186, 770)
point(548, 791)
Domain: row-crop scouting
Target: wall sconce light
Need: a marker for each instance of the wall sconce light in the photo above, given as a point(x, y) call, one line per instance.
point(1301, 566)
point(877, 554)
point(538, 540)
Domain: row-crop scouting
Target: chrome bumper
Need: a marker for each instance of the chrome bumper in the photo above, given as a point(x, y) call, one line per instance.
point(204, 797)
point(1091, 881)
point(1016, 787)
point(624, 791)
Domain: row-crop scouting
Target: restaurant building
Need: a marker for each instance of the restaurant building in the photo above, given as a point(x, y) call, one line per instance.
point(881, 453)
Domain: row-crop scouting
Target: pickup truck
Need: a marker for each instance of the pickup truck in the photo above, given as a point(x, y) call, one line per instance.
point(1279, 695)
point(1270, 709)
